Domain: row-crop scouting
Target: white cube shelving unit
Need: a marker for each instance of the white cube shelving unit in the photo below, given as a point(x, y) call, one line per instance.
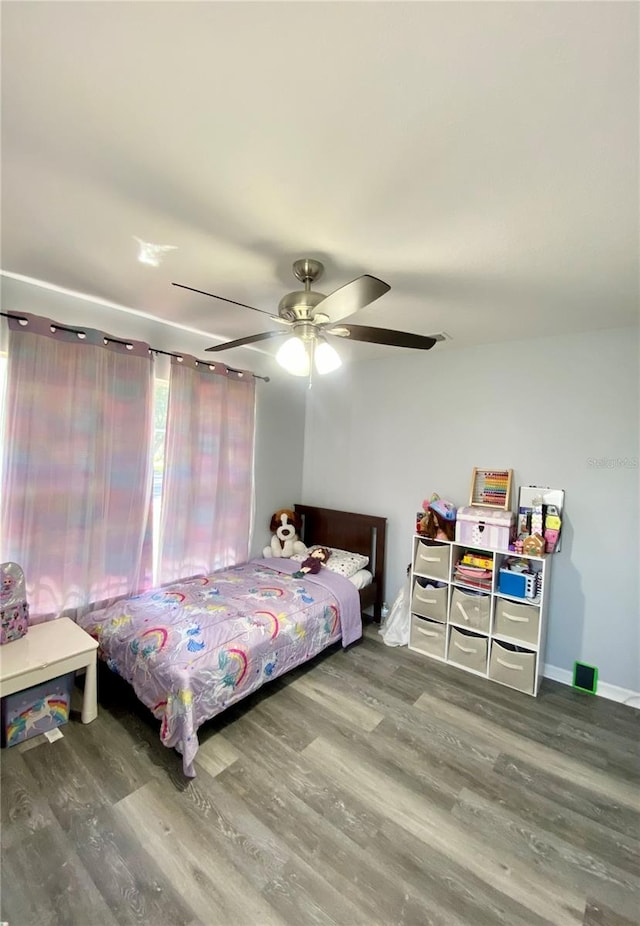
point(479, 630)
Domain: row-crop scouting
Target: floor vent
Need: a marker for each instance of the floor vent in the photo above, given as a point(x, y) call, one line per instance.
point(585, 678)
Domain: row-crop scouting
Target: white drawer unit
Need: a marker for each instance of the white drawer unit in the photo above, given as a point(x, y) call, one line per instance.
point(475, 626)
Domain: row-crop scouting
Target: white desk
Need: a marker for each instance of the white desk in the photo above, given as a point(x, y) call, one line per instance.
point(47, 651)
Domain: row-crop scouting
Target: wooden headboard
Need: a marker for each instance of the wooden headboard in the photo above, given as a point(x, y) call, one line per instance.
point(358, 533)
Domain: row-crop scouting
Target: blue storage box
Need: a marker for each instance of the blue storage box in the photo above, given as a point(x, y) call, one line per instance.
point(517, 584)
point(35, 710)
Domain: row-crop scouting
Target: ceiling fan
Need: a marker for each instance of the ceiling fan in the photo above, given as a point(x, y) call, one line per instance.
point(306, 319)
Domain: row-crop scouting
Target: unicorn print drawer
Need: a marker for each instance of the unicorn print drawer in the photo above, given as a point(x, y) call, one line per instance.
point(36, 710)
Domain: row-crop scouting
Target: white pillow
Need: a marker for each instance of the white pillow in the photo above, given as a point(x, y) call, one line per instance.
point(341, 561)
point(361, 579)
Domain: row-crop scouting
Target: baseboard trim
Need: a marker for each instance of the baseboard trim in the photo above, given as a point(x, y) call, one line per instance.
point(605, 690)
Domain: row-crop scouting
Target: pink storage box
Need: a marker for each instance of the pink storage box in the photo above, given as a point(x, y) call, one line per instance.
point(485, 527)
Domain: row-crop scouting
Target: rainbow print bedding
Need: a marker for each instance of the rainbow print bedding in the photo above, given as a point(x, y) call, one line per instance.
point(194, 648)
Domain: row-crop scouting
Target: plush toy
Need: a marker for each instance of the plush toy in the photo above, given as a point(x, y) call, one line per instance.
point(439, 521)
point(313, 563)
point(533, 545)
point(285, 525)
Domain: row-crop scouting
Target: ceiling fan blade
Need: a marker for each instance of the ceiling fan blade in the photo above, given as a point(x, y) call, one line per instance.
point(383, 336)
point(275, 318)
point(248, 340)
point(353, 296)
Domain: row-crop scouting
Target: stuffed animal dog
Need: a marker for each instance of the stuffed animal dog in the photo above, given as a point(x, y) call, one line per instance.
point(285, 525)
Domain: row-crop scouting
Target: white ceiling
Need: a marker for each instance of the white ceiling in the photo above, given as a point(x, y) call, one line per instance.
point(482, 158)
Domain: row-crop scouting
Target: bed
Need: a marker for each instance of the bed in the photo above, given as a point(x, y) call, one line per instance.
point(360, 533)
point(193, 648)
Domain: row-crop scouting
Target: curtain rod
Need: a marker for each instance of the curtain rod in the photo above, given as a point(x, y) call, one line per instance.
point(154, 350)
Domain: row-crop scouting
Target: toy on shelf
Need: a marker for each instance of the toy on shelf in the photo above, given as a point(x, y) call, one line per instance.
point(517, 579)
point(537, 516)
point(439, 519)
point(477, 558)
point(533, 545)
point(483, 528)
point(475, 568)
point(491, 488)
point(540, 515)
point(552, 525)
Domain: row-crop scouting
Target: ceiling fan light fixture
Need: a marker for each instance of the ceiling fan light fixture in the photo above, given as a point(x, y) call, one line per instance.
point(293, 357)
point(327, 358)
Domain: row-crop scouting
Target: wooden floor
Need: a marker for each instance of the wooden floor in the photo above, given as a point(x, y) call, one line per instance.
point(370, 788)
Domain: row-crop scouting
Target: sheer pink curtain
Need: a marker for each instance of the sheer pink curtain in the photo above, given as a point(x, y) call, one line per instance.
point(76, 466)
point(207, 491)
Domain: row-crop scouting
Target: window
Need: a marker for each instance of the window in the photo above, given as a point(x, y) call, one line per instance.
point(82, 518)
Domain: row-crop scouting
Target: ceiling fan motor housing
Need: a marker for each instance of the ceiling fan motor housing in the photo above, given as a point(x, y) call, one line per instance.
point(299, 306)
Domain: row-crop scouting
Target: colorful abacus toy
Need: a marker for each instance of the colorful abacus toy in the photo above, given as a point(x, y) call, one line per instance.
point(491, 488)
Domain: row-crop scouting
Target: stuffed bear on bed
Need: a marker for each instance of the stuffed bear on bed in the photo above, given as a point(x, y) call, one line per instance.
point(285, 525)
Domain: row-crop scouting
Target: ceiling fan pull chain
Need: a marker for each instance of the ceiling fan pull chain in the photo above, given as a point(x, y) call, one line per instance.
point(311, 350)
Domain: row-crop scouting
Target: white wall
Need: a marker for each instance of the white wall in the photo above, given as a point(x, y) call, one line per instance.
point(280, 404)
point(381, 436)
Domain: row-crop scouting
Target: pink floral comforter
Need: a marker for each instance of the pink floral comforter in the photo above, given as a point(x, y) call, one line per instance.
point(193, 648)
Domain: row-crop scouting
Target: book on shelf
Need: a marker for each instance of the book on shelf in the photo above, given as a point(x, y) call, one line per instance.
point(474, 576)
point(477, 559)
point(481, 584)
